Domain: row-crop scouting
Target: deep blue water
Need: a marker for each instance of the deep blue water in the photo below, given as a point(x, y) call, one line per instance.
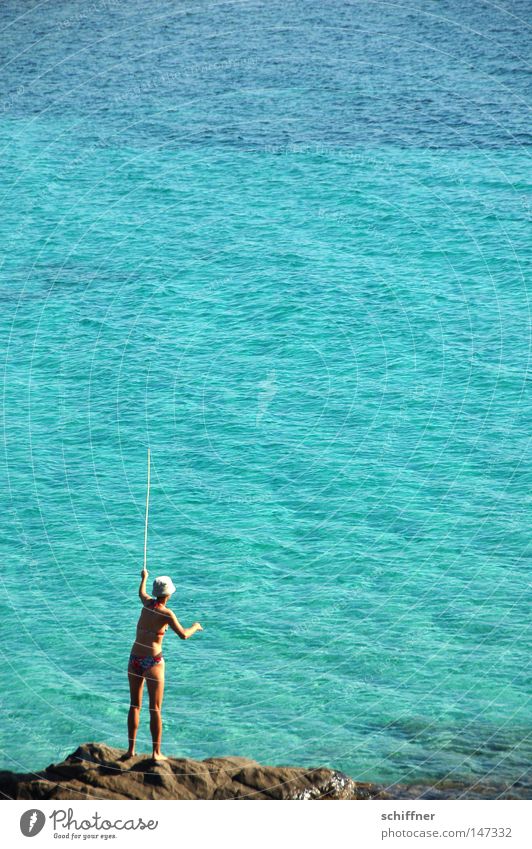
point(286, 245)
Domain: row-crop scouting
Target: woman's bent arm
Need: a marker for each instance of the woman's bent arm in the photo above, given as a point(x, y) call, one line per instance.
point(183, 633)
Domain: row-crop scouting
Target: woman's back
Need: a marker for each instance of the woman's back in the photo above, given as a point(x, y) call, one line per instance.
point(151, 628)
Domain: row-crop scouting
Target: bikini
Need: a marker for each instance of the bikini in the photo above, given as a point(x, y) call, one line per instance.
point(142, 664)
point(139, 663)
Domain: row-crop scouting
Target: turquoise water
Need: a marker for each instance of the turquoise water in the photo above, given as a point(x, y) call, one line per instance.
point(293, 260)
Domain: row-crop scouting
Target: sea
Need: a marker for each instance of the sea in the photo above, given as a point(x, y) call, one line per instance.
point(286, 246)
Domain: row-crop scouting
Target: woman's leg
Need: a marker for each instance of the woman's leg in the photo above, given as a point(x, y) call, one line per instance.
point(136, 683)
point(155, 682)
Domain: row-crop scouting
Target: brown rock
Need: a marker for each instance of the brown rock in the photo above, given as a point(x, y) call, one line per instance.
point(95, 771)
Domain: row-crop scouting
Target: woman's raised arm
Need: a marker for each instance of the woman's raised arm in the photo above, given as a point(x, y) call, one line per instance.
point(143, 595)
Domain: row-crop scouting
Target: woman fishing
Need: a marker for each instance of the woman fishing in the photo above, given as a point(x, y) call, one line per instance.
point(146, 659)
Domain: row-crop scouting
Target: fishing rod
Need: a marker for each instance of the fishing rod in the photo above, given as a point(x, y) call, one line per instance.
point(147, 511)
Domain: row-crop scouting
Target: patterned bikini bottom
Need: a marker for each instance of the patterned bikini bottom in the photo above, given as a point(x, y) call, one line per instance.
point(142, 664)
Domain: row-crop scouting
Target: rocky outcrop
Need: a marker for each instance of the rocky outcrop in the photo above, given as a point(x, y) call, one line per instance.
point(96, 771)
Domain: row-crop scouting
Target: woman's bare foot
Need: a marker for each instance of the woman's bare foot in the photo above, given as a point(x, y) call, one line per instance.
point(157, 756)
point(127, 756)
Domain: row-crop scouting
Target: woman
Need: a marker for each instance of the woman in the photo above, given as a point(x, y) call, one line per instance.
point(146, 659)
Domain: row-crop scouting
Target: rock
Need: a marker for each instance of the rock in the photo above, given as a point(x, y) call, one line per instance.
point(95, 771)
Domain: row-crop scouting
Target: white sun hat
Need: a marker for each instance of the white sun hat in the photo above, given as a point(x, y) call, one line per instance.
point(163, 586)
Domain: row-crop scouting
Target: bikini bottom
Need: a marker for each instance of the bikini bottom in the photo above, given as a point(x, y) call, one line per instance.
point(142, 664)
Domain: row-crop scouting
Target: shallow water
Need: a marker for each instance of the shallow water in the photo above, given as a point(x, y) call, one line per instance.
point(288, 249)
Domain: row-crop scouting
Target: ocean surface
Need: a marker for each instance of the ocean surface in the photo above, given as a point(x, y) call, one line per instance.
point(287, 246)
